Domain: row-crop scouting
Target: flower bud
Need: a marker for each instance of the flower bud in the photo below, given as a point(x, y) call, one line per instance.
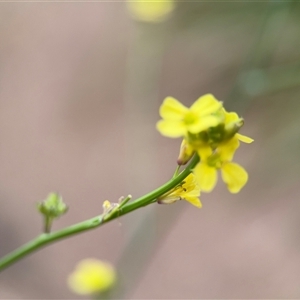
point(232, 128)
point(53, 207)
point(186, 153)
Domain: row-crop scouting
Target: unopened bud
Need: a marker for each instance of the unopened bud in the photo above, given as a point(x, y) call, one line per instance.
point(186, 153)
point(232, 128)
point(53, 207)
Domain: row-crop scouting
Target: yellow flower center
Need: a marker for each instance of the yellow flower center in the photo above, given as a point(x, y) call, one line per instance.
point(190, 118)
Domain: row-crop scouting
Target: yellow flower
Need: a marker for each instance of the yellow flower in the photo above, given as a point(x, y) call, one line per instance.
point(178, 120)
point(233, 174)
point(150, 11)
point(92, 276)
point(188, 190)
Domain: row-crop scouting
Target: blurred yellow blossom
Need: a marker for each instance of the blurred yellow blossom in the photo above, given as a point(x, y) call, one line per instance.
point(188, 190)
point(178, 120)
point(150, 11)
point(92, 276)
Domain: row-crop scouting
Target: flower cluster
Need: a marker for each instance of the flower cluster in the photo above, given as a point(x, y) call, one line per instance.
point(210, 131)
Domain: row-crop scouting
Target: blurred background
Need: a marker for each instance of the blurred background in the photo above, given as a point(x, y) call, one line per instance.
point(80, 88)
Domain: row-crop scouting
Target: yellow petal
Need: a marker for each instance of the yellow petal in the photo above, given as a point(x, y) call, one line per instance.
point(203, 124)
point(194, 201)
point(244, 138)
point(171, 129)
point(231, 117)
point(204, 152)
point(171, 109)
point(234, 176)
point(190, 187)
point(190, 179)
point(228, 148)
point(206, 105)
point(206, 176)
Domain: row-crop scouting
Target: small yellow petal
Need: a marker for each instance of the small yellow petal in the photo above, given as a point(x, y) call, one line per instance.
point(190, 179)
point(171, 109)
point(171, 129)
point(106, 205)
point(244, 138)
point(205, 105)
point(194, 201)
point(203, 123)
point(228, 148)
point(234, 176)
point(206, 177)
point(231, 117)
point(204, 152)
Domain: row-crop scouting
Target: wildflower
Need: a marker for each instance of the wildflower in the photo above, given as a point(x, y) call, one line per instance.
point(178, 120)
point(188, 190)
point(208, 129)
point(150, 11)
point(233, 174)
point(91, 276)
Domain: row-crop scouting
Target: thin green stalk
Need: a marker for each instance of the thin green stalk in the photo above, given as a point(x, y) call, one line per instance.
point(48, 238)
point(176, 171)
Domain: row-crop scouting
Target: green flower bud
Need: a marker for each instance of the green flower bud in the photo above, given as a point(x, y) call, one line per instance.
point(52, 208)
point(232, 128)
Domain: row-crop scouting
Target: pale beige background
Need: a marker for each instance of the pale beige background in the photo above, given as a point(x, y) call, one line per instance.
point(80, 88)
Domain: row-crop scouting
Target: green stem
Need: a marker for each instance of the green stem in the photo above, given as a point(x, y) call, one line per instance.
point(176, 171)
point(48, 238)
point(48, 224)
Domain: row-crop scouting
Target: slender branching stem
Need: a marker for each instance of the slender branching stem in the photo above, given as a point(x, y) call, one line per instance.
point(49, 238)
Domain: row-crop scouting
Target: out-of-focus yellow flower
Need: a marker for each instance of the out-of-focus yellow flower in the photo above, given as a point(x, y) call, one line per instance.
point(92, 276)
point(178, 120)
point(233, 174)
point(150, 11)
point(188, 190)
